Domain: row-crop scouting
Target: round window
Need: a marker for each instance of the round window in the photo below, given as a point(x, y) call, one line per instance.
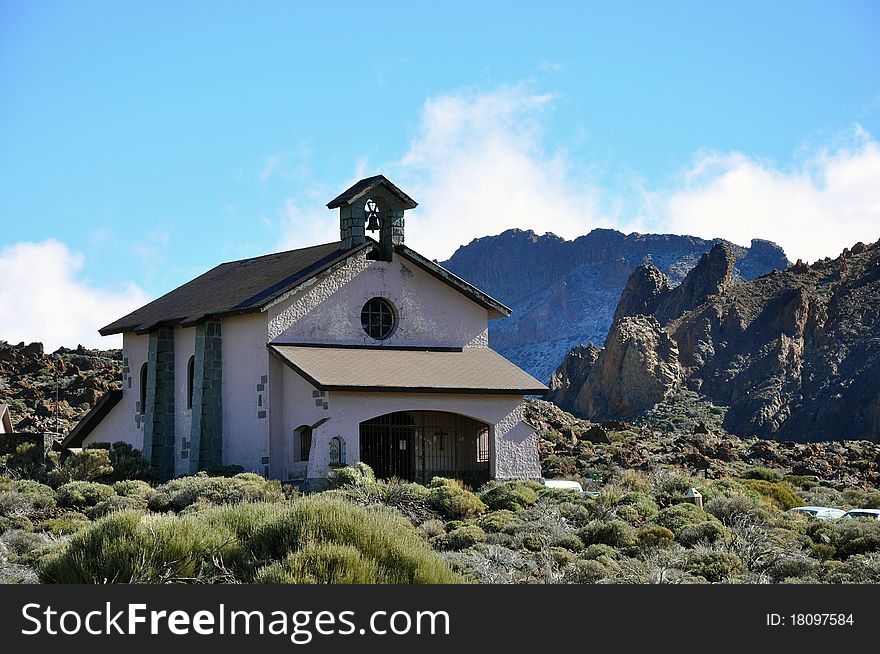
point(378, 318)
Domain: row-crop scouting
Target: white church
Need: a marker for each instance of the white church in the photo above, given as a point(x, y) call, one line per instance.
point(292, 363)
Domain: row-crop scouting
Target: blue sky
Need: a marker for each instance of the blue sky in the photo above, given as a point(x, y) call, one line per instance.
point(141, 144)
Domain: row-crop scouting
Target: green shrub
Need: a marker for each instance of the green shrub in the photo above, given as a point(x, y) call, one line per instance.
point(672, 490)
point(360, 474)
point(450, 498)
point(858, 569)
point(600, 550)
point(562, 556)
point(533, 542)
point(791, 568)
point(655, 536)
point(569, 542)
point(853, 537)
point(822, 551)
point(729, 508)
point(765, 474)
point(635, 481)
point(776, 494)
point(556, 465)
point(510, 495)
point(22, 544)
point(678, 516)
point(133, 488)
point(322, 563)
point(585, 572)
point(65, 524)
point(83, 494)
point(615, 533)
point(710, 531)
point(129, 547)
point(15, 522)
point(243, 487)
point(432, 527)
point(496, 520)
point(714, 566)
point(117, 503)
point(644, 505)
point(378, 534)
point(575, 513)
point(39, 495)
point(459, 539)
point(85, 465)
point(159, 501)
point(127, 462)
point(727, 486)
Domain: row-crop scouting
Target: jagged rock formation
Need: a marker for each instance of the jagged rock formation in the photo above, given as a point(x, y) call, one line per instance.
point(29, 379)
point(637, 368)
point(648, 291)
point(564, 292)
point(577, 365)
point(793, 355)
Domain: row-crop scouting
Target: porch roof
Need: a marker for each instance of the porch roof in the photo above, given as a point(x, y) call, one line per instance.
point(393, 370)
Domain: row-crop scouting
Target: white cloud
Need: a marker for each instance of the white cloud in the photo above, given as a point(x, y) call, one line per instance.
point(478, 167)
point(828, 201)
point(43, 298)
point(302, 226)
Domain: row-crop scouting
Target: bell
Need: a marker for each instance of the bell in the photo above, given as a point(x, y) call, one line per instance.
point(373, 223)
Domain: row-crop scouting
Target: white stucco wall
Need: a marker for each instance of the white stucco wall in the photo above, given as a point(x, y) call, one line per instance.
point(119, 424)
point(245, 363)
point(513, 451)
point(299, 407)
point(184, 348)
point(429, 313)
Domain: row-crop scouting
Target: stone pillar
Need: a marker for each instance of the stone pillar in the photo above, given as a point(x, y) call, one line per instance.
point(351, 226)
point(159, 409)
point(392, 231)
point(206, 434)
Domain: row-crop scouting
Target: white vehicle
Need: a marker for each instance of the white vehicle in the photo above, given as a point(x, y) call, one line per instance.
point(873, 514)
point(564, 484)
point(820, 512)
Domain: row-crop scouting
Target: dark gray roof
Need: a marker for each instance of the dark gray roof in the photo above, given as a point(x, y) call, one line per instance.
point(248, 285)
point(236, 287)
point(95, 415)
point(363, 187)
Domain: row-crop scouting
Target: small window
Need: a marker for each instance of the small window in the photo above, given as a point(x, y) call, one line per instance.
point(378, 318)
point(483, 446)
point(305, 443)
point(143, 388)
point(190, 378)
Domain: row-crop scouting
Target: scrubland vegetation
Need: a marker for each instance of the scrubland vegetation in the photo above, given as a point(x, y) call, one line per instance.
point(80, 522)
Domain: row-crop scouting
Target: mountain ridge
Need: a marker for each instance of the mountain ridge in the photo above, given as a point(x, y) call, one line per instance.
point(564, 292)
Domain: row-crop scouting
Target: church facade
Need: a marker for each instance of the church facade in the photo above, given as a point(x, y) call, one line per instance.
point(292, 363)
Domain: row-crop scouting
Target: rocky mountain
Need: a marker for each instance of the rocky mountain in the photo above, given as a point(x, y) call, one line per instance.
point(30, 377)
point(564, 292)
point(792, 355)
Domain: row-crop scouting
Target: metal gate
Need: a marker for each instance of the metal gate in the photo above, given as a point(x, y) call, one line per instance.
point(419, 445)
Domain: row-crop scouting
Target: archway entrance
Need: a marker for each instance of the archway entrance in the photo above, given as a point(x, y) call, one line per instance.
point(419, 445)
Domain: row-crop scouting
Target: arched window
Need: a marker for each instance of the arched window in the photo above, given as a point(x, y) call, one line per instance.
point(143, 388)
point(190, 378)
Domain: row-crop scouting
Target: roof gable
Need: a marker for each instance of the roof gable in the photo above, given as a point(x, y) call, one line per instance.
point(251, 285)
point(362, 188)
point(236, 287)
